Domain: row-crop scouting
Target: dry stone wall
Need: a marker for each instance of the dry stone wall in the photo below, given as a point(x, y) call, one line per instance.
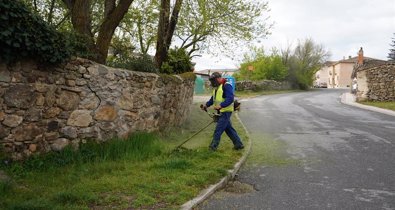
point(262, 85)
point(380, 82)
point(45, 109)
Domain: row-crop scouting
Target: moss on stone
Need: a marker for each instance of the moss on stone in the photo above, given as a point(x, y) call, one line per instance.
point(188, 76)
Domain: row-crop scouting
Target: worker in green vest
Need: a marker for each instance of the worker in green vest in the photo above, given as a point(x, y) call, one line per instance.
point(222, 99)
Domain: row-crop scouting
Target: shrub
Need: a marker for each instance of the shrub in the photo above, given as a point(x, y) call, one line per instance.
point(177, 62)
point(142, 63)
point(24, 34)
point(78, 44)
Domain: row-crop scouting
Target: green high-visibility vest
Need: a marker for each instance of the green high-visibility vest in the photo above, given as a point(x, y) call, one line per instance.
point(217, 97)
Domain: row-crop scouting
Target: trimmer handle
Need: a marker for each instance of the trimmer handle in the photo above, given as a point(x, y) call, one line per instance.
point(203, 107)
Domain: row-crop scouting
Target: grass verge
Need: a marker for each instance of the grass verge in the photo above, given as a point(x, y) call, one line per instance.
point(381, 104)
point(138, 172)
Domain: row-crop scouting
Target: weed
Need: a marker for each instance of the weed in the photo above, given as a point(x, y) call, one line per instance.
point(31, 204)
point(6, 186)
point(73, 197)
point(175, 164)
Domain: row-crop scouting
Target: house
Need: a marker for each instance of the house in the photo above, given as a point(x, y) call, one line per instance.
point(339, 74)
point(375, 80)
point(322, 76)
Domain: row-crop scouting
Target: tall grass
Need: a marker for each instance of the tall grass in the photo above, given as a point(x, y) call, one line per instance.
point(134, 173)
point(138, 147)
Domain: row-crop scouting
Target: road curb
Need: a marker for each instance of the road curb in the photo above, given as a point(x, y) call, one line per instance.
point(206, 193)
point(349, 99)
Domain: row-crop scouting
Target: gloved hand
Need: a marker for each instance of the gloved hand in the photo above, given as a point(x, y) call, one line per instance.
point(203, 107)
point(217, 107)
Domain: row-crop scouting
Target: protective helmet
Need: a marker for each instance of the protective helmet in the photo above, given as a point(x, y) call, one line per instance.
point(213, 79)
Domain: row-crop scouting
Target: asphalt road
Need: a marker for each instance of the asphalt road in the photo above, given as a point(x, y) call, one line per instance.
point(344, 157)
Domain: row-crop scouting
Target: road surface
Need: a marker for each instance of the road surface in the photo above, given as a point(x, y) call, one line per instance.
point(312, 152)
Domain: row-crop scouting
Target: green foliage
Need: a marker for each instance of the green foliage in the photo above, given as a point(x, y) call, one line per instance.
point(221, 26)
point(24, 34)
point(32, 204)
point(138, 147)
point(381, 104)
point(307, 58)
point(178, 62)
point(122, 50)
point(5, 186)
point(143, 63)
point(266, 67)
point(175, 164)
point(51, 11)
point(78, 44)
point(73, 197)
point(124, 57)
point(140, 24)
point(188, 76)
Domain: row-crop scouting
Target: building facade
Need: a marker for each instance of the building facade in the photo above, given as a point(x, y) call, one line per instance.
point(338, 74)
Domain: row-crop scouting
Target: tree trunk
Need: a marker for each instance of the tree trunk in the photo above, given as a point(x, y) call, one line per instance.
point(161, 50)
point(107, 28)
point(166, 29)
point(81, 20)
point(173, 22)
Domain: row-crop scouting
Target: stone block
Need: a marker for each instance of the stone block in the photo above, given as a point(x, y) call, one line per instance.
point(33, 147)
point(69, 132)
point(106, 113)
point(60, 144)
point(26, 132)
point(68, 100)
point(80, 118)
point(5, 75)
point(12, 120)
point(33, 114)
point(19, 96)
point(52, 112)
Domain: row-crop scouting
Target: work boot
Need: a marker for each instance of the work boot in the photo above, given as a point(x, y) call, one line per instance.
point(238, 147)
point(212, 148)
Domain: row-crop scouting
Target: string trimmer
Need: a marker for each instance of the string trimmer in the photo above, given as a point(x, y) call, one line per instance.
point(214, 116)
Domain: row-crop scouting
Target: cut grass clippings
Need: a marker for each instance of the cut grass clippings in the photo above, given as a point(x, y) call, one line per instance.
point(250, 94)
point(381, 104)
point(267, 151)
point(138, 172)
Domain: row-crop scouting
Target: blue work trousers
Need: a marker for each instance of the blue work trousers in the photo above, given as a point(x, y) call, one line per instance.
point(224, 124)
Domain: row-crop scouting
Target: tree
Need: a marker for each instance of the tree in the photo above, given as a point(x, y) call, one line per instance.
point(307, 58)
point(52, 11)
point(221, 24)
point(266, 67)
point(81, 19)
point(166, 27)
point(140, 24)
point(391, 54)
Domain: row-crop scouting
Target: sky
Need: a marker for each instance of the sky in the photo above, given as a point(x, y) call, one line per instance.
point(341, 26)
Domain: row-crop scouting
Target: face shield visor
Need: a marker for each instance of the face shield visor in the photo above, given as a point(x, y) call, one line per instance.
point(214, 79)
point(214, 82)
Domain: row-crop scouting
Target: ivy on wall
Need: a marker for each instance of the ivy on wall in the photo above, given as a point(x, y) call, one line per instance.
point(24, 34)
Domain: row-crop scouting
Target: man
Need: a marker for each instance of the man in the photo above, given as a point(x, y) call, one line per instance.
point(222, 100)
